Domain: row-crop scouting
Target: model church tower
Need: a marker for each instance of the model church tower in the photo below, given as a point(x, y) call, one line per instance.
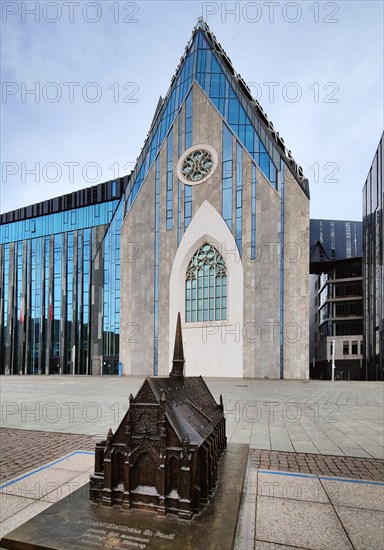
point(164, 455)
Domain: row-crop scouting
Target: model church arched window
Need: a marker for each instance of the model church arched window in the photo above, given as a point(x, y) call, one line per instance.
point(206, 286)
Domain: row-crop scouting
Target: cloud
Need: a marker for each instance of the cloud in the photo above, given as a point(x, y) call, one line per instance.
point(321, 59)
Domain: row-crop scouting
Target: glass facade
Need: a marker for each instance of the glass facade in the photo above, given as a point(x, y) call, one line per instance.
point(49, 267)
point(60, 259)
point(373, 273)
point(335, 240)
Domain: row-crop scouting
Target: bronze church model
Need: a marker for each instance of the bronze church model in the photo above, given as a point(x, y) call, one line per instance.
point(164, 455)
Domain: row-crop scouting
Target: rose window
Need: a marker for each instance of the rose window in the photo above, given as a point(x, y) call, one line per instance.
point(197, 165)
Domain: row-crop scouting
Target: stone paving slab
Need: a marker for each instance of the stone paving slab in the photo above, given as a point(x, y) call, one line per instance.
point(31, 492)
point(365, 528)
point(300, 524)
point(355, 495)
point(341, 418)
point(307, 489)
point(292, 510)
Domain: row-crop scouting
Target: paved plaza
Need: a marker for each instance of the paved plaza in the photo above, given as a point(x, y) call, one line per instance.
point(341, 418)
point(315, 477)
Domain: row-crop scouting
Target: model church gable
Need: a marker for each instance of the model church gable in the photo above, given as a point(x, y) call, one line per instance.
point(145, 394)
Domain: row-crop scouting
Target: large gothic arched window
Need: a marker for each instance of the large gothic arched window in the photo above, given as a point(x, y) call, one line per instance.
point(206, 286)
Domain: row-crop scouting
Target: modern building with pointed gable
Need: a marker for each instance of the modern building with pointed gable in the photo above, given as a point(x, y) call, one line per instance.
point(217, 211)
point(212, 222)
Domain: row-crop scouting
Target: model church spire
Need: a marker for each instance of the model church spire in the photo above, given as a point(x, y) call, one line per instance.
point(178, 353)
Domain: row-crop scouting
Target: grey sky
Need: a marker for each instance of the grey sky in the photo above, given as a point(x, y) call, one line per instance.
point(326, 59)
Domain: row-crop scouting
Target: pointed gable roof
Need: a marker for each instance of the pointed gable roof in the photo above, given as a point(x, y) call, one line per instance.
point(189, 406)
point(206, 62)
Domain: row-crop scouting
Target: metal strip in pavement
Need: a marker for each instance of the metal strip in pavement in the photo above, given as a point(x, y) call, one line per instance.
point(44, 467)
point(345, 480)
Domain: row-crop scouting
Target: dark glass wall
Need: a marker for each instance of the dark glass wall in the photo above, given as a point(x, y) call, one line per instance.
point(335, 240)
point(373, 272)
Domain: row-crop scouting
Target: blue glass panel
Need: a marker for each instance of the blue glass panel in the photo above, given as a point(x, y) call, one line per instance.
point(264, 164)
point(253, 214)
point(239, 193)
point(227, 176)
point(174, 100)
point(80, 218)
point(216, 84)
point(188, 120)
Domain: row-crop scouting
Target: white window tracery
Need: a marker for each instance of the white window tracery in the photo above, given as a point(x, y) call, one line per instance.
point(206, 286)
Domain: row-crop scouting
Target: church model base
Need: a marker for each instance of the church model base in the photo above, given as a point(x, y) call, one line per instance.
point(74, 523)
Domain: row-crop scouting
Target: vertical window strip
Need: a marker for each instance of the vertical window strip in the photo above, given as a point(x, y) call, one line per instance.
point(169, 201)
point(46, 280)
point(179, 187)
point(188, 143)
point(348, 239)
point(156, 289)
point(188, 120)
point(179, 201)
point(187, 205)
point(4, 250)
point(86, 275)
point(57, 267)
point(333, 236)
point(227, 176)
point(253, 214)
point(239, 195)
point(5, 284)
point(111, 304)
point(282, 167)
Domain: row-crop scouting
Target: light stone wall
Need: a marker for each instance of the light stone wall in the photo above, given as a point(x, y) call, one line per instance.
point(261, 279)
point(137, 282)
point(296, 280)
point(257, 281)
point(167, 250)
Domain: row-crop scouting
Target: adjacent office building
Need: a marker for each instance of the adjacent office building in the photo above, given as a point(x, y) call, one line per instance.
point(213, 223)
point(60, 283)
point(373, 271)
point(336, 309)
